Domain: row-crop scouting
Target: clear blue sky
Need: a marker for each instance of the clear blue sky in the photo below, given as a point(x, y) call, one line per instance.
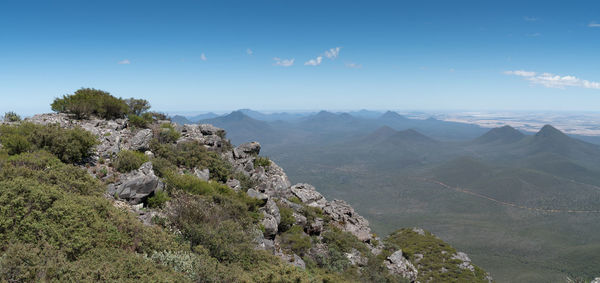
point(219, 55)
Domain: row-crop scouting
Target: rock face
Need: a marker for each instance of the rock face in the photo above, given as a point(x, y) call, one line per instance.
point(466, 261)
point(342, 212)
point(136, 185)
point(397, 264)
point(309, 195)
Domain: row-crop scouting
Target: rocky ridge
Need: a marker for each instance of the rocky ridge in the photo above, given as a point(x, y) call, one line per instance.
point(271, 186)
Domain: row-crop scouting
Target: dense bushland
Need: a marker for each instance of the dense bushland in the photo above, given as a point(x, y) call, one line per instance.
point(69, 145)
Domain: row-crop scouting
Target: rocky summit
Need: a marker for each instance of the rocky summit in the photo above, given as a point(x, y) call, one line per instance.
point(295, 223)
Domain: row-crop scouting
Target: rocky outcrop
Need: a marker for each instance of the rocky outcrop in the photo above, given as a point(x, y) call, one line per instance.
point(465, 261)
point(397, 264)
point(136, 185)
point(309, 195)
point(350, 221)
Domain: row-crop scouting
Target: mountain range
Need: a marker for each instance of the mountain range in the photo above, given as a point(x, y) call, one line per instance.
point(526, 206)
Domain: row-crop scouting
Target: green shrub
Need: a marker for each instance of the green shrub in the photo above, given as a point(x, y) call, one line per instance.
point(167, 133)
point(158, 199)
point(129, 160)
point(193, 154)
point(262, 161)
point(11, 117)
point(69, 145)
point(287, 217)
point(88, 101)
point(296, 240)
point(139, 121)
point(137, 106)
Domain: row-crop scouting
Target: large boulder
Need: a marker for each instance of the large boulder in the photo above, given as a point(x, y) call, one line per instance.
point(398, 265)
point(141, 140)
point(203, 174)
point(350, 221)
point(246, 150)
point(136, 185)
point(309, 195)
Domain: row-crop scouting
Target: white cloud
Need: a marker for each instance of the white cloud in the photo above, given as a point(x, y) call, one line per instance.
point(203, 57)
point(314, 62)
point(333, 53)
point(124, 62)
point(249, 51)
point(554, 81)
point(594, 25)
point(283, 62)
point(353, 66)
point(536, 34)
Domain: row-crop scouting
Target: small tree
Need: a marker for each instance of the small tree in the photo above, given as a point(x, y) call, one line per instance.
point(137, 106)
point(11, 117)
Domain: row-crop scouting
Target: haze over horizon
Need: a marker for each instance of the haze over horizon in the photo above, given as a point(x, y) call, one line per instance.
point(430, 55)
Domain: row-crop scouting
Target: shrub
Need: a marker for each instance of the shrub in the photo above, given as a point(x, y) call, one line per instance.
point(193, 154)
point(11, 117)
point(129, 160)
point(88, 101)
point(287, 217)
point(139, 121)
point(158, 199)
point(69, 145)
point(262, 161)
point(137, 106)
point(167, 133)
point(296, 240)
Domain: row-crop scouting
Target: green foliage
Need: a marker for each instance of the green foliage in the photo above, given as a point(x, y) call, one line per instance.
point(296, 240)
point(137, 106)
point(142, 121)
point(69, 145)
point(88, 101)
point(192, 154)
point(436, 255)
point(46, 168)
point(287, 217)
point(158, 199)
point(129, 160)
point(11, 117)
point(167, 133)
point(262, 161)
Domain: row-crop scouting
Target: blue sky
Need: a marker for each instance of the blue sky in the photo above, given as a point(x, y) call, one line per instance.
point(219, 55)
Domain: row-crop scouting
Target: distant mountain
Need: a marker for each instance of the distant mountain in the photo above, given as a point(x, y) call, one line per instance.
point(363, 113)
point(505, 134)
point(550, 139)
point(391, 116)
point(281, 116)
point(181, 120)
point(241, 128)
point(204, 116)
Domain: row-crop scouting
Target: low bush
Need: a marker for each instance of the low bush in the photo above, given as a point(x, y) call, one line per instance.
point(262, 162)
point(158, 199)
point(287, 217)
point(86, 102)
point(167, 133)
point(69, 145)
point(192, 154)
point(296, 240)
point(129, 160)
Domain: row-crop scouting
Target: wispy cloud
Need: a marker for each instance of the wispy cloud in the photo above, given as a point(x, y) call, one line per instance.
point(353, 66)
point(124, 62)
point(283, 62)
point(536, 34)
point(531, 19)
point(249, 51)
point(554, 81)
point(333, 53)
point(203, 57)
point(594, 25)
point(314, 62)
